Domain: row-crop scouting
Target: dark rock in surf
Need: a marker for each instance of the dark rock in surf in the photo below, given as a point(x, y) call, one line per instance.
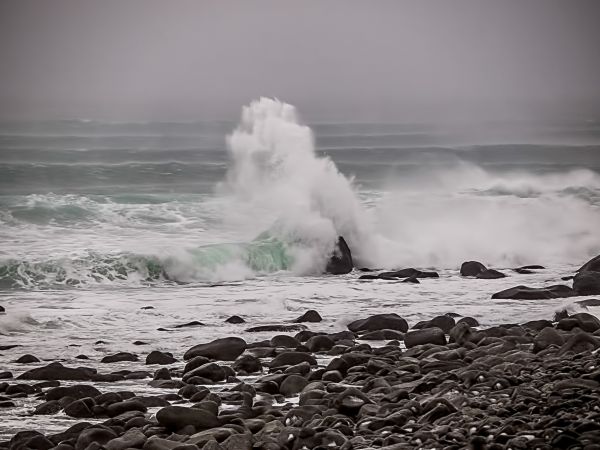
point(157, 357)
point(490, 274)
point(593, 265)
point(529, 293)
point(589, 302)
point(56, 371)
point(76, 391)
point(235, 320)
point(425, 336)
point(309, 316)
point(408, 273)
point(120, 357)
point(5, 375)
point(471, 268)
point(27, 359)
point(225, 349)
point(341, 260)
point(2, 309)
point(587, 283)
point(193, 323)
point(277, 328)
point(379, 322)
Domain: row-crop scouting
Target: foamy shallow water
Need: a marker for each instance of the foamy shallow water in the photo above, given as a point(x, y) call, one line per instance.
point(59, 325)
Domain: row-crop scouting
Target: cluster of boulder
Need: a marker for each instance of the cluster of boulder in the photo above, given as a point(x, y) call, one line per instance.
point(442, 383)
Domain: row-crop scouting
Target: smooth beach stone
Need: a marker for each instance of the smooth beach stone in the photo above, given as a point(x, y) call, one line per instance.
point(319, 343)
point(379, 322)
point(157, 357)
point(283, 340)
point(292, 385)
point(225, 349)
point(176, 417)
point(425, 336)
point(471, 268)
point(56, 371)
point(211, 371)
point(292, 358)
point(76, 391)
point(120, 357)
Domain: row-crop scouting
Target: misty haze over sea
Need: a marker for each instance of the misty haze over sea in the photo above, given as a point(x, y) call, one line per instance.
point(380, 211)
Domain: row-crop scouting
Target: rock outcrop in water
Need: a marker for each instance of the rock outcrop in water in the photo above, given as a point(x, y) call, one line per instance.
point(593, 265)
point(341, 260)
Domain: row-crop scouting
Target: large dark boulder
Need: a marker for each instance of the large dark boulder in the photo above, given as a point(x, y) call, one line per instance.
point(593, 265)
point(587, 283)
point(177, 417)
point(225, 349)
point(390, 321)
point(56, 371)
point(410, 273)
point(341, 260)
point(529, 293)
point(471, 268)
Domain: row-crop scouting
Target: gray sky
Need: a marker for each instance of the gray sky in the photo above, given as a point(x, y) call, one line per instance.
point(338, 60)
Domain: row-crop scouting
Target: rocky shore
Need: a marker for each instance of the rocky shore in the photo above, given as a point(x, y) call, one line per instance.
point(448, 385)
point(444, 383)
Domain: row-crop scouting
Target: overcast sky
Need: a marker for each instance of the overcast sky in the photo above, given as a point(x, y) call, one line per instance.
point(338, 60)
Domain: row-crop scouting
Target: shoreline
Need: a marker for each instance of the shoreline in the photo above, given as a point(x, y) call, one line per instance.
point(501, 387)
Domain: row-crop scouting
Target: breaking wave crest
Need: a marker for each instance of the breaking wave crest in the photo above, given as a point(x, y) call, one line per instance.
point(219, 262)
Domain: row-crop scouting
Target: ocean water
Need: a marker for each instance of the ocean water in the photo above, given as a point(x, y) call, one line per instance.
point(203, 220)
